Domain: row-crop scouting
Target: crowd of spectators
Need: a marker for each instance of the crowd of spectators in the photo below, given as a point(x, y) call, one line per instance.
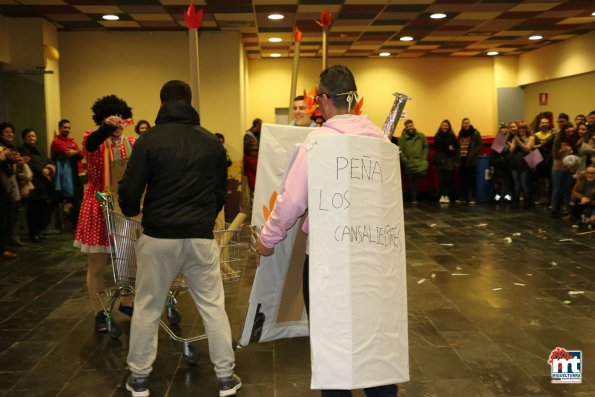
point(534, 164)
point(44, 186)
point(564, 155)
point(537, 164)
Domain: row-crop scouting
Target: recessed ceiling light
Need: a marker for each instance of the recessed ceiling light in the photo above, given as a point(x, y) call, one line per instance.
point(536, 37)
point(275, 55)
point(275, 39)
point(492, 53)
point(111, 17)
point(406, 38)
point(276, 16)
point(438, 15)
point(384, 54)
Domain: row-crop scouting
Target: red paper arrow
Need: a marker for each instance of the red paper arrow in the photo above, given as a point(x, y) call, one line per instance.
point(326, 19)
point(192, 17)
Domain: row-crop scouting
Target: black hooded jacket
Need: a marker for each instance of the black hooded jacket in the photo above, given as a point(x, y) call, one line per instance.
point(184, 169)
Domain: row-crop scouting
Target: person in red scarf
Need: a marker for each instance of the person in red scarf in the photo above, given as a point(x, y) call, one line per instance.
point(67, 157)
point(101, 147)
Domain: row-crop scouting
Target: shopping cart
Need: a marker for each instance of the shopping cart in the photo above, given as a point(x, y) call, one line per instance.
point(123, 232)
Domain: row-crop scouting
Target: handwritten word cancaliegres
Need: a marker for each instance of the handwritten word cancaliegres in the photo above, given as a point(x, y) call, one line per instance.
point(365, 168)
point(386, 236)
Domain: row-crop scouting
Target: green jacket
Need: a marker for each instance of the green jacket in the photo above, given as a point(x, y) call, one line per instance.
point(414, 152)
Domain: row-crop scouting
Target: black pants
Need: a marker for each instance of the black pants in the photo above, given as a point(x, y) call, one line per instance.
point(380, 391)
point(468, 180)
point(13, 218)
point(445, 183)
point(4, 224)
point(38, 216)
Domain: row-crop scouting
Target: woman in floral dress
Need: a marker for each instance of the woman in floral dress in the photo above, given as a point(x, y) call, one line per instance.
point(101, 147)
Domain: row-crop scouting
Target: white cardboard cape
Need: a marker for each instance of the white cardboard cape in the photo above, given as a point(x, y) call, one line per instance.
point(358, 292)
point(277, 143)
point(276, 307)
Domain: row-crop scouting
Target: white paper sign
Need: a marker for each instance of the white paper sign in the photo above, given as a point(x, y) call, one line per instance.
point(358, 292)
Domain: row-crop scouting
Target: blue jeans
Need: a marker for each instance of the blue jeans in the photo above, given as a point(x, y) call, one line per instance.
point(562, 183)
point(521, 184)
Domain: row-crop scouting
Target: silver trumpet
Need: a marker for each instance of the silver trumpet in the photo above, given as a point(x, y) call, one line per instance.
point(395, 114)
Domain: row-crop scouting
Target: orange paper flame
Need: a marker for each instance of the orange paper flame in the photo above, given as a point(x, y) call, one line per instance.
point(192, 17)
point(358, 106)
point(326, 20)
point(266, 211)
point(311, 106)
point(297, 35)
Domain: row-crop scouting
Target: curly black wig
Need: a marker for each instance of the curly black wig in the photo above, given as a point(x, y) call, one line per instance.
point(110, 105)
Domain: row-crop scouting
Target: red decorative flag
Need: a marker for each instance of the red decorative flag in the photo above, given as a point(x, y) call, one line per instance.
point(326, 19)
point(192, 17)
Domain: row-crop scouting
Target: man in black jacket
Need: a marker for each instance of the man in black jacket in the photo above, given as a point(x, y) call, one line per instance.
point(184, 169)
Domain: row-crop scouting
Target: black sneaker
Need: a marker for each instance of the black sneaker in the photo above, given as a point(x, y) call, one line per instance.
point(100, 323)
point(138, 387)
point(229, 386)
point(126, 310)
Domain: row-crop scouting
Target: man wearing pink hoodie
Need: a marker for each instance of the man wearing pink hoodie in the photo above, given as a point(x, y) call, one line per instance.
point(337, 96)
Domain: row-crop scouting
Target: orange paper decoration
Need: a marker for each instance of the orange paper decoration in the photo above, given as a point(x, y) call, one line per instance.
point(297, 35)
point(267, 211)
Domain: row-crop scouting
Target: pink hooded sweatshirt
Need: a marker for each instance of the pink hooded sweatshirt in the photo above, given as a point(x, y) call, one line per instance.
point(294, 201)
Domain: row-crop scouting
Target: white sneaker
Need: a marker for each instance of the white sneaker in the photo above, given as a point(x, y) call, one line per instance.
point(441, 201)
point(446, 200)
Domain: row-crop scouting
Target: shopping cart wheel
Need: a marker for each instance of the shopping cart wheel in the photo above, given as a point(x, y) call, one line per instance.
point(113, 329)
point(173, 316)
point(190, 353)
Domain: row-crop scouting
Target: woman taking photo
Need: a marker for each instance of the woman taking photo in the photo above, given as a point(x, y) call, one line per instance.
point(101, 148)
point(38, 201)
point(6, 171)
point(16, 176)
point(521, 144)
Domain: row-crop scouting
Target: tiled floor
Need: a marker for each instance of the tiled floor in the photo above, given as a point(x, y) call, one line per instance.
point(483, 317)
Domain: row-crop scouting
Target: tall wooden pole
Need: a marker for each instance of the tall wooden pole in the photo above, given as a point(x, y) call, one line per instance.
point(194, 75)
point(297, 41)
point(193, 21)
point(324, 48)
point(325, 23)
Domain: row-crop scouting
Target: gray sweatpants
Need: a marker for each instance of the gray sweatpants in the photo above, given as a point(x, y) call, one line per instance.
point(158, 262)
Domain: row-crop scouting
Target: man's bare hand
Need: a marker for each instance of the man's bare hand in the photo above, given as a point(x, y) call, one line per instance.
point(262, 250)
